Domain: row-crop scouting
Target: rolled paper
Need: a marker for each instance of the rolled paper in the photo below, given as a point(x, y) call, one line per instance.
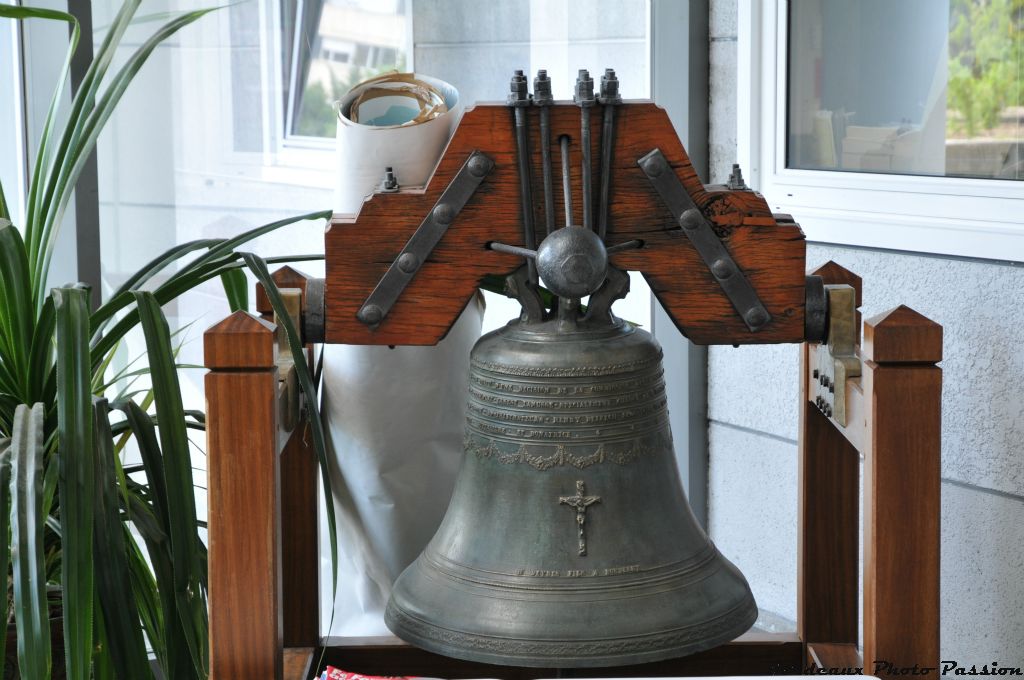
point(397, 120)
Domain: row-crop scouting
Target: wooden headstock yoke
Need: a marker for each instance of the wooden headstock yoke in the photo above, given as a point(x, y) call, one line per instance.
point(767, 250)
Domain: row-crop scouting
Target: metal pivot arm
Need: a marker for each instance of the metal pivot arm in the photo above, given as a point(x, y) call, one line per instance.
point(427, 236)
point(698, 229)
point(839, 361)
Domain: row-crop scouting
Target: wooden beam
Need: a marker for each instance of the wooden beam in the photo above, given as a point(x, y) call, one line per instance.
point(360, 249)
point(298, 662)
point(244, 500)
point(829, 504)
point(901, 489)
point(752, 654)
point(841, 659)
point(300, 547)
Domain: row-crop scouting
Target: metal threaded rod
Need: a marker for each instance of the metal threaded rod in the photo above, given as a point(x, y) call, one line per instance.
point(566, 179)
point(588, 222)
point(609, 98)
point(542, 97)
point(519, 99)
point(545, 154)
point(607, 144)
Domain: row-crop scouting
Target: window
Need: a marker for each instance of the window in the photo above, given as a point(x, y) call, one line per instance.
point(906, 87)
point(351, 40)
point(893, 125)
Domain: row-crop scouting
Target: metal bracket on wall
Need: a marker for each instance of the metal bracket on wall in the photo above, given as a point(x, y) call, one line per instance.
point(426, 237)
point(698, 229)
point(840, 362)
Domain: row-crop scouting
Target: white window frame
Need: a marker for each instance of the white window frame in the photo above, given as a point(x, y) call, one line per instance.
point(980, 218)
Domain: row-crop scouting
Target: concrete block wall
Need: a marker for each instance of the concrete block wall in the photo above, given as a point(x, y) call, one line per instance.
point(752, 409)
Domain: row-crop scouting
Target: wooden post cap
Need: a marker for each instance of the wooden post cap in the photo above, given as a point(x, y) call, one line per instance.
point(285, 277)
point(902, 335)
point(833, 273)
point(242, 340)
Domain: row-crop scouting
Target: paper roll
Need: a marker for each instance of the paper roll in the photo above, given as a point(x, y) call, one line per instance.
point(412, 150)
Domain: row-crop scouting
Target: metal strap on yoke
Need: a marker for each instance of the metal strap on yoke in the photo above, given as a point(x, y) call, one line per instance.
point(425, 239)
point(698, 229)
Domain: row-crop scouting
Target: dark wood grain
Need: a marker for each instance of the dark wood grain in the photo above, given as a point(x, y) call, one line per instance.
point(835, 656)
point(240, 341)
point(298, 662)
point(902, 491)
point(284, 277)
point(834, 273)
point(829, 506)
point(902, 335)
point(300, 548)
point(828, 541)
point(763, 654)
point(244, 503)
point(359, 250)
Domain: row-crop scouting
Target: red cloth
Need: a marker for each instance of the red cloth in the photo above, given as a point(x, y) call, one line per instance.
point(338, 674)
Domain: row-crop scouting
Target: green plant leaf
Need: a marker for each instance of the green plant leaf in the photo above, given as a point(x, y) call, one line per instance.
point(81, 105)
point(151, 520)
point(32, 612)
point(144, 274)
point(220, 259)
point(33, 226)
point(5, 529)
point(120, 613)
point(228, 246)
point(78, 152)
point(40, 366)
point(76, 476)
point(5, 214)
point(259, 268)
point(236, 288)
point(189, 589)
point(16, 310)
point(147, 597)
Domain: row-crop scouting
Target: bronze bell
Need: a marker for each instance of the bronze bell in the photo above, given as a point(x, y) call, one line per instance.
point(569, 541)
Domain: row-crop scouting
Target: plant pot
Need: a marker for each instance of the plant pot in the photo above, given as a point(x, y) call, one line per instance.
point(56, 645)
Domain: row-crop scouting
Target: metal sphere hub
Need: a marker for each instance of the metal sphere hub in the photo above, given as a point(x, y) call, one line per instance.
point(573, 262)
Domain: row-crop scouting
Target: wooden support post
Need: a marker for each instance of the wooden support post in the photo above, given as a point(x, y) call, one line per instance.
point(300, 547)
point(244, 499)
point(903, 389)
point(827, 543)
point(300, 566)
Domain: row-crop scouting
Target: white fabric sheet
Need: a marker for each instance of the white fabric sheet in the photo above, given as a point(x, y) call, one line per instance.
point(395, 420)
point(394, 417)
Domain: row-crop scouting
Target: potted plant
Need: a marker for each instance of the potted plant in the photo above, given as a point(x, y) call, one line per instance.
point(106, 556)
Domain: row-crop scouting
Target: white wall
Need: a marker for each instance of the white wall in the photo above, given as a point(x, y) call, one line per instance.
point(753, 424)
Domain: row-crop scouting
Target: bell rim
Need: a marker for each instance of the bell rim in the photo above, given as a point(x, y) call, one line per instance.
point(580, 653)
point(679, 574)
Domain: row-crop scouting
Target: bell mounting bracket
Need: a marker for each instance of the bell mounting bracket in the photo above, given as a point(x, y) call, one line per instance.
point(840, 361)
point(426, 237)
point(698, 229)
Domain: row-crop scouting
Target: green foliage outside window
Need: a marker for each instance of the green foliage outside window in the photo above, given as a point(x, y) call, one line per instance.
point(986, 57)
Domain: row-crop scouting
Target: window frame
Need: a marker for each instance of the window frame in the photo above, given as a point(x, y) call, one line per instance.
point(284, 141)
point(978, 218)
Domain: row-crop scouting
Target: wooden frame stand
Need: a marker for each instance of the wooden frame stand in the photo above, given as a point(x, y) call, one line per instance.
point(264, 553)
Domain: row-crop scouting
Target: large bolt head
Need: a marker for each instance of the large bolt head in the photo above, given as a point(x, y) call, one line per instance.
point(573, 262)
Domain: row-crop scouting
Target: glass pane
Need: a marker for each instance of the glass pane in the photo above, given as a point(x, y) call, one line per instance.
point(922, 87)
point(476, 46)
point(354, 40)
